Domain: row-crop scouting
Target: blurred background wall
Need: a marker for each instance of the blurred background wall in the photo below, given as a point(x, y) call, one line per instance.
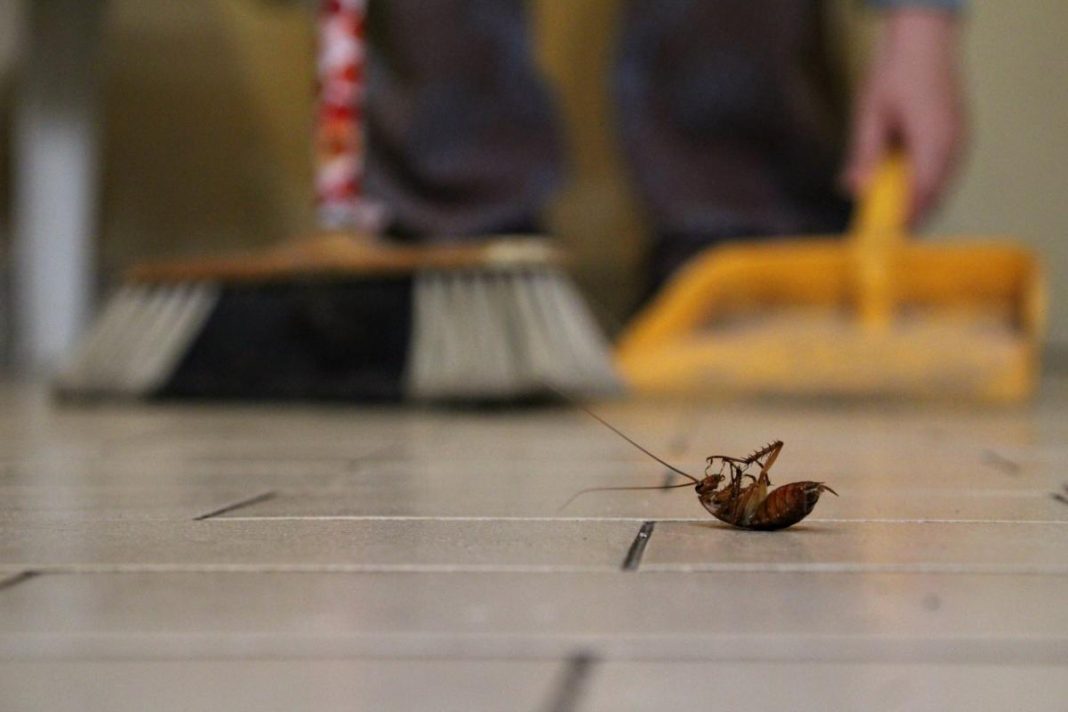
point(208, 104)
point(1015, 180)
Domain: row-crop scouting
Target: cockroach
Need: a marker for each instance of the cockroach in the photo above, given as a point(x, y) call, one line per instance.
point(727, 497)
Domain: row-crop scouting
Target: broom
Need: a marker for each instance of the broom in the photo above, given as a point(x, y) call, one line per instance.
point(342, 315)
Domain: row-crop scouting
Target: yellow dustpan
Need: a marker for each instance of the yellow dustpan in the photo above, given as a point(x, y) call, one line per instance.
point(872, 314)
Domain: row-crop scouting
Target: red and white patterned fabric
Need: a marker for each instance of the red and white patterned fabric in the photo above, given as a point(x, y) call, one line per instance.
point(340, 148)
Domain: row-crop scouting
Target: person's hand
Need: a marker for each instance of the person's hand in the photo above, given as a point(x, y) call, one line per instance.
point(911, 99)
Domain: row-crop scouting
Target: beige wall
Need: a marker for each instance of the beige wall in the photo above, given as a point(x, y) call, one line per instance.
point(207, 114)
point(208, 105)
point(1015, 180)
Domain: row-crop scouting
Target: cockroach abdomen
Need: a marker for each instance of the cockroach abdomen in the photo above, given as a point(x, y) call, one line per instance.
point(787, 505)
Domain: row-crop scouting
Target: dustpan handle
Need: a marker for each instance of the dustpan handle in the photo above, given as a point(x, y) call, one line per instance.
point(879, 229)
point(882, 212)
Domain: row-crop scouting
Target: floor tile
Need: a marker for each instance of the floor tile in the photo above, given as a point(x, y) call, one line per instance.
point(550, 434)
point(879, 617)
point(277, 684)
point(862, 546)
point(389, 544)
point(397, 550)
point(480, 488)
point(62, 503)
point(736, 685)
point(193, 473)
point(541, 490)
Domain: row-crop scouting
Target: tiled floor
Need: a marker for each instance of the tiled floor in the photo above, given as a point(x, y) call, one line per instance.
point(196, 557)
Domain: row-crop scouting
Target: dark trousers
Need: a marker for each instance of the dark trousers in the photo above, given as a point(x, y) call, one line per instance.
point(728, 115)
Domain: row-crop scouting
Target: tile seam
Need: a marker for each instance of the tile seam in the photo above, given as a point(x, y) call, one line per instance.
point(256, 499)
point(634, 555)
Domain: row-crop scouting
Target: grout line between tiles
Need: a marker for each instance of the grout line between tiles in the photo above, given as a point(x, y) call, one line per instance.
point(376, 455)
point(838, 568)
point(999, 462)
point(847, 567)
point(464, 518)
point(567, 696)
point(430, 518)
point(21, 577)
point(695, 645)
point(262, 497)
point(238, 568)
point(634, 555)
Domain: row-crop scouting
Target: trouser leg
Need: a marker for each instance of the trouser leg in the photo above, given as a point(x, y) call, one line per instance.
point(461, 130)
point(730, 118)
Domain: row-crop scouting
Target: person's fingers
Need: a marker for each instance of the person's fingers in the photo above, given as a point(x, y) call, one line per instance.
point(871, 136)
point(931, 142)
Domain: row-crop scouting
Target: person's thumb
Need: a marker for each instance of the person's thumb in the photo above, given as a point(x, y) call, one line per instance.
point(870, 142)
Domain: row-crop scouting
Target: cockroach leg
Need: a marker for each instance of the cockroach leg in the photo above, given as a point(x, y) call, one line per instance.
point(772, 451)
point(773, 455)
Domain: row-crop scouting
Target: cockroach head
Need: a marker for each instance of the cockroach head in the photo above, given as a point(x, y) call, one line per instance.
point(710, 483)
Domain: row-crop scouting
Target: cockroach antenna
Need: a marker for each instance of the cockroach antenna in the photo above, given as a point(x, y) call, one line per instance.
point(623, 435)
point(693, 480)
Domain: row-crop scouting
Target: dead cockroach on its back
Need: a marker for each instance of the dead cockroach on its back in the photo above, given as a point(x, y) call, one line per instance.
point(728, 498)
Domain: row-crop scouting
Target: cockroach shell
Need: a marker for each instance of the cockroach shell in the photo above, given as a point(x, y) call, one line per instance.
point(786, 505)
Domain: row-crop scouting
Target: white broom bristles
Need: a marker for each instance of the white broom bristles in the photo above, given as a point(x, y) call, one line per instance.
point(504, 333)
point(138, 341)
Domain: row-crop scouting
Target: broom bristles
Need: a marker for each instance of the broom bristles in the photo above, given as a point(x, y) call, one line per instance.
point(139, 339)
point(497, 321)
point(504, 334)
